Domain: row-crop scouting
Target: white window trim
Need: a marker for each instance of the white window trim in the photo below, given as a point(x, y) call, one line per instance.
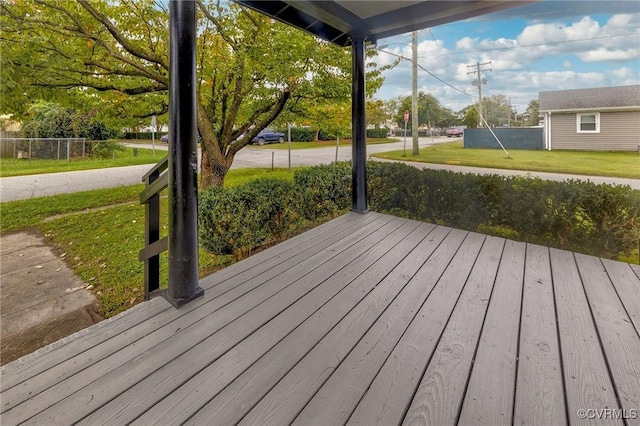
point(579, 120)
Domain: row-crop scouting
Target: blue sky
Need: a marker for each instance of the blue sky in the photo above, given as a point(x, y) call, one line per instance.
point(550, 45)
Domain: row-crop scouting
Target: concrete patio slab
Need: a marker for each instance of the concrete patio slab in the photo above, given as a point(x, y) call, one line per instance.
point(41, 300)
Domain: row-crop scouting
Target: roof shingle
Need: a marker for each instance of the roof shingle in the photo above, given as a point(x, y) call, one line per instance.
point(600, 97)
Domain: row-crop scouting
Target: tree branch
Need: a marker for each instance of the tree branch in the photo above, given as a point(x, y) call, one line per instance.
point(214, 21)
point(129, 47)
point(272, 113)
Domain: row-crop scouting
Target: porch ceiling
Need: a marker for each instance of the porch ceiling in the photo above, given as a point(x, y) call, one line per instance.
point(337, 20)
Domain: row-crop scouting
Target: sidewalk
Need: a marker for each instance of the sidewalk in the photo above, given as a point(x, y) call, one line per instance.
point(42, 300)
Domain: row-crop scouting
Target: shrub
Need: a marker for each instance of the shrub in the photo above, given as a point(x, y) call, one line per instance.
point(326, 136)
point(601, 220)
point(237, 220)
point(106, 149)
point(300, 134)
point(50, 120)
point(377, 133)
point(324, 191)
point(142, 135)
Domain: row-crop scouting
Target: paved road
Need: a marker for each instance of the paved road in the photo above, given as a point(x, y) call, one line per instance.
point(23, 187)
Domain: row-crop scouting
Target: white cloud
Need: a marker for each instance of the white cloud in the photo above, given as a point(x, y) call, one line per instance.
point(556, 57)
point(602, 54)
point(624, 72)
point(617, 39)
point(624, 76)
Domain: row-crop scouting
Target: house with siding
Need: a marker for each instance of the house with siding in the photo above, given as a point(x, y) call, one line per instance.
point(598, 119)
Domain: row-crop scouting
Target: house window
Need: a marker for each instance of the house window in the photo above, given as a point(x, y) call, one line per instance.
point(589, 123)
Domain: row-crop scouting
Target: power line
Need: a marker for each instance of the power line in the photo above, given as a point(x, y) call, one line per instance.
point(428, 72)
point(456, 89)
point(434, 39)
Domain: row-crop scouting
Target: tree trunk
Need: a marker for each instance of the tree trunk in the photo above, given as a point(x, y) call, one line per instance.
point(211, 174)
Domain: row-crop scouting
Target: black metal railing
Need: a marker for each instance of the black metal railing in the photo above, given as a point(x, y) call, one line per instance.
point(155, 181)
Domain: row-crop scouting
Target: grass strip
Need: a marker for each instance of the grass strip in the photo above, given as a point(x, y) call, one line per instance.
point(591, 163)
point(101, 233)
point(23, 167)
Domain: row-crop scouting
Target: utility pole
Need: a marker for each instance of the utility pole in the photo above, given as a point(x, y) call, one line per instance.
point(414, 98)
point(479, 69)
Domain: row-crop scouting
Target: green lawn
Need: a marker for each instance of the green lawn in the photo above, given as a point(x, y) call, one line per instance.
point(23, 167)
point(102, 232)
point(320, 144)
point(615, 164)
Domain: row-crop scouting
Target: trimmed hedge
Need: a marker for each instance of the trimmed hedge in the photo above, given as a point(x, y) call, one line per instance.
point(377, 133)
point(601, 220)
point(142, 135)
point(239, 219)
point(299, 134)
point(327, 136)
point(323, 191)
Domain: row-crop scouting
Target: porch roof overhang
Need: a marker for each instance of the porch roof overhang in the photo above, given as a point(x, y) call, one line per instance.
point(337, 21)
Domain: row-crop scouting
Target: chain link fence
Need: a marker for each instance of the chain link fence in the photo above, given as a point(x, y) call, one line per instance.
point(46, 148)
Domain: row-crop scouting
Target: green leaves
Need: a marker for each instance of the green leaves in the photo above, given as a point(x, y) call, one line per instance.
point(115, 55)
point(430, 111)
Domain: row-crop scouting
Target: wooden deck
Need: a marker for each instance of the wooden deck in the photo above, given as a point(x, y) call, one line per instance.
point(367, 319)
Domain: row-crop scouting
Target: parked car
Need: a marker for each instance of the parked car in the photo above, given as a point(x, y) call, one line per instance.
point(268, 136)
point(454, 132)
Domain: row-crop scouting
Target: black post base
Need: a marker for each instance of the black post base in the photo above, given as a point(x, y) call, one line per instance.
point(176, 303)
point(365, 211)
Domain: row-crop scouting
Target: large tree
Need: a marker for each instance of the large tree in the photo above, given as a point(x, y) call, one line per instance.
point(496, 110)
point(430, 112)
point(531, 115)
point(249, 67)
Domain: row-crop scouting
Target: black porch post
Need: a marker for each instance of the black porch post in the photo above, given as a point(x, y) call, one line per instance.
point(359, 128)
point(183, 190)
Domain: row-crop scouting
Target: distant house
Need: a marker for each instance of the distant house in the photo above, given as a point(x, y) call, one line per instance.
point(599, 119)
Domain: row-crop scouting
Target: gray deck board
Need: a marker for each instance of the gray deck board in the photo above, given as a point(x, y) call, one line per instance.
point(539, 390)
point(198, 390)
point(289, 396)
point(253, 384)
point(627, 285)
point(489, 396)
point(236, 400)
point(618, 337)
point(201, 339)
point(440, 376)
point(358, 369)
point(366, 319)
point(636, 270)
point(587, 380)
